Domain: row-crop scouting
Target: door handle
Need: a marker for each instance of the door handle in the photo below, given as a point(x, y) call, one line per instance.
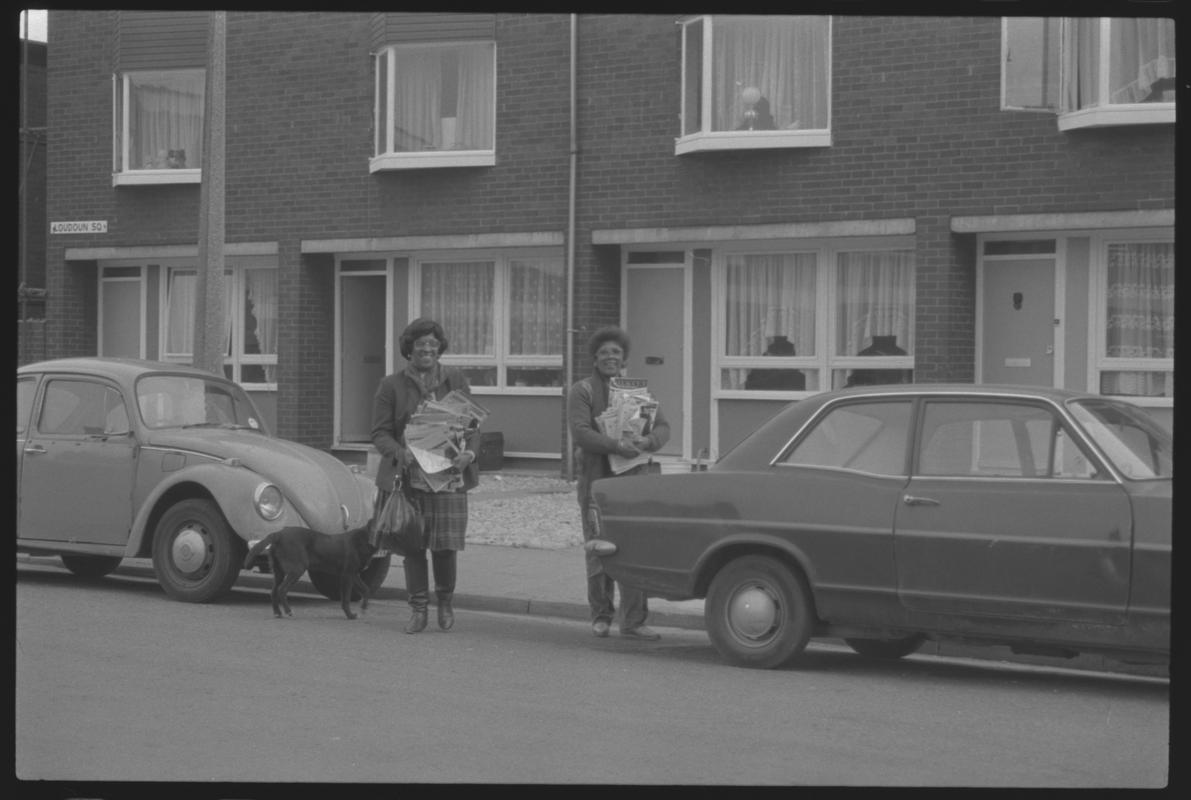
point(34, 449)
point(911, 500)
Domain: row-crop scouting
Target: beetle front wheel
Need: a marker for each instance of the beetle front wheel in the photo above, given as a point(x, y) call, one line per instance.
point(758, 612)
point(196, 555)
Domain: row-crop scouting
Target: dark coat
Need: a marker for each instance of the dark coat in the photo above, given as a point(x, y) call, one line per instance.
point(397, 397)
point(588, 398)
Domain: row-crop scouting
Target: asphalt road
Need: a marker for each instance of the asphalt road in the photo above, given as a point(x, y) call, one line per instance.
point(115, 682)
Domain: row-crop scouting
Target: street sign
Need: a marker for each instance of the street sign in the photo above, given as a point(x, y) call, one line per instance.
point(82, 226)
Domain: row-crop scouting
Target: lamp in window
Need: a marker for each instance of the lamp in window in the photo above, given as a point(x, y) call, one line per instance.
point(750, 96)
point(756, 111)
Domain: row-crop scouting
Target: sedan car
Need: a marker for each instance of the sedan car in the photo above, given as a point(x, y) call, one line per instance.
point(119, 458)
point(888, 515)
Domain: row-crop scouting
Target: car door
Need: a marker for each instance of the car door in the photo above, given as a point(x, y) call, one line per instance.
point(1006, 516)
point(836, 499)
point(77, 464)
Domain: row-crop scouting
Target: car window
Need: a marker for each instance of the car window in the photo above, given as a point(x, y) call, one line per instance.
point(26, 391)
point(1135, 443)
point(993, 439)
point(76, 407)
point(870, 437)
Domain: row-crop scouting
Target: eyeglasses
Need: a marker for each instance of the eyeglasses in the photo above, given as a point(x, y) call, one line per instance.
point(427, 345)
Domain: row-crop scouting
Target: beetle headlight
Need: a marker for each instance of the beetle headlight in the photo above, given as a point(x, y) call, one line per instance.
point(268, 501)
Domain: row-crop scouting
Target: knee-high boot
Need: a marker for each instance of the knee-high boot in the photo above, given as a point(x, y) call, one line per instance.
point(444, 586)
point(417, 585)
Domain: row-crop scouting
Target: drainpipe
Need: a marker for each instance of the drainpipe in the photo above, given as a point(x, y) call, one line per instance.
point(568, 468)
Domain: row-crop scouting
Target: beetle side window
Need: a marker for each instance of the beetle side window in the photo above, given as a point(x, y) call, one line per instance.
point(990, 439)
point(869, 437)
point(80, 408)
point(26, 392)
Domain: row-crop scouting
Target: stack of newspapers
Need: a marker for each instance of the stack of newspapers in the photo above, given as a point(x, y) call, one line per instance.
point(437, 433)
point(631, 412)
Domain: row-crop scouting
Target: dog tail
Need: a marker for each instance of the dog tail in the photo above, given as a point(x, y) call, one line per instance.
point(255, 551)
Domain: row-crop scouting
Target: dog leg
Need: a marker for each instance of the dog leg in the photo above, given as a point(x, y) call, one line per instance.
point(278, 577)
point(358, 582)
point(345, 594)
point(283, 591)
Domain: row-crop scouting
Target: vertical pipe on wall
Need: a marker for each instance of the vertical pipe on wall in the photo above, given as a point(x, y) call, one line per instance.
point(567, 460)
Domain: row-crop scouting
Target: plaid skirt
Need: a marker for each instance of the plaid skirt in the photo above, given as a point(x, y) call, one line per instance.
point(443, 513)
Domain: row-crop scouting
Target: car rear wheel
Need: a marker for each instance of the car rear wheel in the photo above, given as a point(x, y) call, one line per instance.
point(374, 575)
point(90, 566)
point(887, 648)
point(758, 612)
point(196, 555)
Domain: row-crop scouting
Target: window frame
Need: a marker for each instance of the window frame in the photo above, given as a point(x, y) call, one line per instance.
point(389, 159)
point(1098, 361)
point(706, 139)
point(234, 270)
point(121, 174)
point(824, 361)
point(1103, 114)
point(501, 359)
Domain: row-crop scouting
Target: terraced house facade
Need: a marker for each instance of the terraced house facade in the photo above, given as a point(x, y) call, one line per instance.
point(772, 206)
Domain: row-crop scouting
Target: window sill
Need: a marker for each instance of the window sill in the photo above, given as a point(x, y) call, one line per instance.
point(1111, 116)
point(156, 177)
point(430, 159)
point(755, 140)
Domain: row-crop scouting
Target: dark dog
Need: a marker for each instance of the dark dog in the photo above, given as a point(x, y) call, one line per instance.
point(292, 551)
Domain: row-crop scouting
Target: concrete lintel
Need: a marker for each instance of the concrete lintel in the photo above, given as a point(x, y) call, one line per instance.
point(730, 233)
point(166, 251)
point(1091, 220)
point(441, 242)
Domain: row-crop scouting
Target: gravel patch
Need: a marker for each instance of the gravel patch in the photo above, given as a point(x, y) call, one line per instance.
point(520, 510)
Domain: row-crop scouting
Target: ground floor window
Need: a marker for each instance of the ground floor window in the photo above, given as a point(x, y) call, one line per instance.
point(250, 311)
point(1134, 351)
point(504, 316)
point(815, 318)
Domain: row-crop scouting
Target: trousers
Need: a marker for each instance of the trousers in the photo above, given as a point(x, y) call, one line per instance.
point(634, 606)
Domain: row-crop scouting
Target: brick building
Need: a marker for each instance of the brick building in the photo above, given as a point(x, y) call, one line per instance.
point(32, 180)
point(827, 199)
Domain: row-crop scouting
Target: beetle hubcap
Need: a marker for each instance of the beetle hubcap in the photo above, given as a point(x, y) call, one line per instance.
point(189, 550)
point(753, 614)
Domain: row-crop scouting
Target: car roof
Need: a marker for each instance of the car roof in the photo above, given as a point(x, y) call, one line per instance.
point(792, 416)
point(125, 369)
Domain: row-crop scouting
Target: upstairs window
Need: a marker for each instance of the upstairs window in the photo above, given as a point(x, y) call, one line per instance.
point(159, 126)
point(1094, 71)
point(158, 97)
point(435, 105)
point(755, 82)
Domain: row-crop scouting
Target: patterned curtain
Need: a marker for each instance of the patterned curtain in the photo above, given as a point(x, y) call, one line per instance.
point(1139, 315)
point(875, 298)
point(460, 297)
point(537, 307)
point(767, 295)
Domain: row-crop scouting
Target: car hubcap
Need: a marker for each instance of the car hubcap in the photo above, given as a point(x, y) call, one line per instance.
point(753, 614)
point(189, 550)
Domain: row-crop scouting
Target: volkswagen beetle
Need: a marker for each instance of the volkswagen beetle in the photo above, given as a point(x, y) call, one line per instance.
point(121, 458)
point(888, 515)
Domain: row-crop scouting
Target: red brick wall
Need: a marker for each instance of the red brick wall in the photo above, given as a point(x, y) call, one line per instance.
point(917, 133)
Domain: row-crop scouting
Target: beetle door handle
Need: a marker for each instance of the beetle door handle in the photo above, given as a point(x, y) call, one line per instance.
point(912, 500)
point(34, 449)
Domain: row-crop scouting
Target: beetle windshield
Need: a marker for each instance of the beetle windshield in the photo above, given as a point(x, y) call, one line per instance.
point(177, 401)
point(1137, 445)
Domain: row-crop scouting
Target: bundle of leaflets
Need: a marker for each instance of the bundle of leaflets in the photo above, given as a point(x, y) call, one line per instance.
point(631, 412)
point(437, 433)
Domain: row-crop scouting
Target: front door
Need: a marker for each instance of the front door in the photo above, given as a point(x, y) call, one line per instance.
point(361, 352)
point(655, 319)
point(1018, 321)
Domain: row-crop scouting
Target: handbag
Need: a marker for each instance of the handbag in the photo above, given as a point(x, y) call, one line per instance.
point(399, 526)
